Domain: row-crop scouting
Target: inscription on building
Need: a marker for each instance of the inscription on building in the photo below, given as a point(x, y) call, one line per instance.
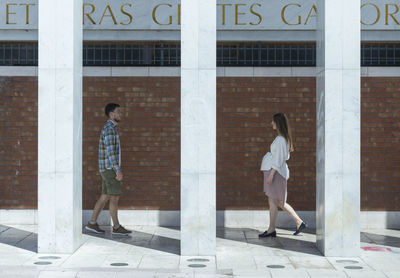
point(231, 14)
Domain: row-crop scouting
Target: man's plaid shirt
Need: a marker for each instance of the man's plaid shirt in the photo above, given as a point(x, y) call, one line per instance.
point(109, 148)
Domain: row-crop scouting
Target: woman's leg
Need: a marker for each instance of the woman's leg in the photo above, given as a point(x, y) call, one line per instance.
point(273, 215)
point(289, 210)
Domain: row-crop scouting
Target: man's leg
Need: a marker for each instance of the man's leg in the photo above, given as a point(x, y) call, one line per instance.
point(114, 210)
point(101, 202)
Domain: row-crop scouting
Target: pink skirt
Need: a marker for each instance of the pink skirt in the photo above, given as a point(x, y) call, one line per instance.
point(277, 189)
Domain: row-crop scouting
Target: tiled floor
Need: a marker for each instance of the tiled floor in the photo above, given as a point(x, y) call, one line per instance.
point(154, 252)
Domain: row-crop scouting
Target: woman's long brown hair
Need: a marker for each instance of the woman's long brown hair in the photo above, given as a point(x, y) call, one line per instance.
point(282, 125)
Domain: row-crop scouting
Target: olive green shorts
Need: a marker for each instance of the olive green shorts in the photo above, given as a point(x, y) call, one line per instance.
point(109, 185)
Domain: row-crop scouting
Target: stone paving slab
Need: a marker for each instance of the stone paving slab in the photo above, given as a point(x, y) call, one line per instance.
point(154, 252)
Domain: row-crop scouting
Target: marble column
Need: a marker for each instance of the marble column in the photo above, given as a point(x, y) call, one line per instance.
point(60, 126)
point(198, 127)
point(338, 128)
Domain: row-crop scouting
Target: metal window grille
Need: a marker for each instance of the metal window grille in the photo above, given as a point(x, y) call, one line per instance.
point(228, 54)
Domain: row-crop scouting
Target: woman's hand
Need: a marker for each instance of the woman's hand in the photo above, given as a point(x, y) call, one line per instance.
point(271, 176)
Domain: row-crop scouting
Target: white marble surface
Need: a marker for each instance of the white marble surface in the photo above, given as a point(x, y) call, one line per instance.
point(338, 128)
point(60, 126)
point(198, 128)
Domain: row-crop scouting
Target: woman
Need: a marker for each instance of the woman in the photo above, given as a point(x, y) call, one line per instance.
point(276, 174)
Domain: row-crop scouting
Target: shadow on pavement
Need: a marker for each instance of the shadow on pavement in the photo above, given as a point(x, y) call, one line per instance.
point(18, 238)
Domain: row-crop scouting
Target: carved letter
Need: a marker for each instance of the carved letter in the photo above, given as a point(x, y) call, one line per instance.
point(126, 13)
point(310, 14)
point(27, 11)
point(223, 11)
point(88, 14)
point(179, 14)
point(378, 13)
point(155, 18)
point(391, 14)
point(283, 14)
point(8, 13)
point(109, 15)
point(237, 13)
point(256, 14)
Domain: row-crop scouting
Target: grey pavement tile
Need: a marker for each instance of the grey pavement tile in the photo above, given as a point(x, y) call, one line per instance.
point(252, 273)
point(132, 261)
point(252, 233)
point(188, 274)
point(159, 261)
point(84, 260)
point(96, 274)
point(15, 259)
point(57, 274)
point(285, 273)
point(135, 274)
point(392, 274)
point(305, 262)
point(296, 251)
point(231, 234)
point(267, 242)
point(339, 263)
point(3, 228)
point(382, 262)
point(365, 274)
point(267, 262)
point(318, 273)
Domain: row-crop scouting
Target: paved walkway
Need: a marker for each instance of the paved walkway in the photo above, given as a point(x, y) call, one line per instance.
point(154, 252)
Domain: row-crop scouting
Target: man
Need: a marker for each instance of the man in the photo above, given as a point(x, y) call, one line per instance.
point(110, 171)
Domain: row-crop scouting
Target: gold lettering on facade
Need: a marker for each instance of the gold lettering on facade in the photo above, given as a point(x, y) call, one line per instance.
point(154, 14)
point(378, 14)
point(179, 14)
point(283, 14)
point(223, 11)
point(111, 14)
point(8, 13)
point(88, 14)
point(126, 13)
point(237, 13)
point(391, 14)
point(311, 14)
point(27, 11)
point(256, 14)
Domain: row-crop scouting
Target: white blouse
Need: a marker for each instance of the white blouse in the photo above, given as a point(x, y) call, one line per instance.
point(276, 159)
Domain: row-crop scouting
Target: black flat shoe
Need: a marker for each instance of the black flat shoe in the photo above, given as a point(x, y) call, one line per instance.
point(301, 227)
point(266, 234)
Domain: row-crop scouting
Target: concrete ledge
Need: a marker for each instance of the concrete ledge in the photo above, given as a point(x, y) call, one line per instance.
point(221, 71)
point(227, 218)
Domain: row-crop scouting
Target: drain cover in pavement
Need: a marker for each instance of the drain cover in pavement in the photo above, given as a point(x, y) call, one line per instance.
point(197, 265)
point(119, 264)
point(198, 260)
point(275, 266)
point(353, 267)
point(42, 263)
point(347, 262)
point(49, 258)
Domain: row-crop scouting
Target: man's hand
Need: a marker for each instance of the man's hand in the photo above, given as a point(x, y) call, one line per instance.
point(119, 176)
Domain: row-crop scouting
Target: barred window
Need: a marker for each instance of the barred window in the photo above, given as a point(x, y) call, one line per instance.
point(228, 54)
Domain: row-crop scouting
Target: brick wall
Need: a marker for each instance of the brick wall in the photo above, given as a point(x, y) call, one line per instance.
point(149, 135)
point(18, 142)
point(150, 140)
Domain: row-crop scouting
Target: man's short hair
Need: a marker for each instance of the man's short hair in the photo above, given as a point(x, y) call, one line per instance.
point(110, 108)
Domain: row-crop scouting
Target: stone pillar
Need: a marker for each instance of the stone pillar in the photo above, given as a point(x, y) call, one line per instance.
point(198, 127)
point(338, 127)
point(60, 126)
